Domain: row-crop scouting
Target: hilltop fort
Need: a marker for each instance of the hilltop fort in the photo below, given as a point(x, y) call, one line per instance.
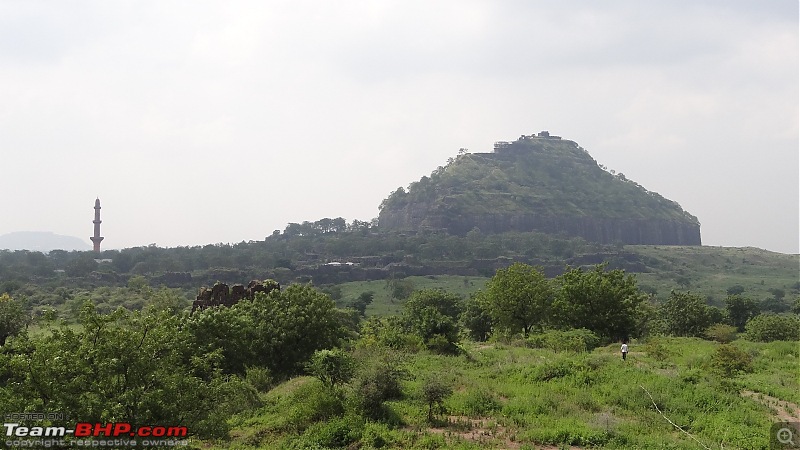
point(539, 182)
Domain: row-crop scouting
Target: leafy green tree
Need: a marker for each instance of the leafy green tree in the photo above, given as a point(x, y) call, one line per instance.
point(773, 327)
point(774, 305)
point(401, 289)
point(477, 317)
point(435, 392)
point(736, 289)
point(729, 361)
point(332, 367)
point(360, 304)
point(605, 302)
point(130, 367)
point(519, 298)
point(432, 314)
point(13, 318)
point(685, 314)
point(81, 266)
point(740, 309)
point(279, 330)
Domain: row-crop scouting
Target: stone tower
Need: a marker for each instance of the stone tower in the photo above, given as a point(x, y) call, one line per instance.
point(96, 239)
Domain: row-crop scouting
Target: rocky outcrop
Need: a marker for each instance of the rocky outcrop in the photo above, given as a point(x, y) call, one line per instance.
point(222, 295)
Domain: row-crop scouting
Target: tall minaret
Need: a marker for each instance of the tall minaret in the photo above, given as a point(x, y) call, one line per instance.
point(96, 238)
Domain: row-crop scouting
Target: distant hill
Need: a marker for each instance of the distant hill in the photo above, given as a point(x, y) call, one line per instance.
point(538, 183)
point(42, 241)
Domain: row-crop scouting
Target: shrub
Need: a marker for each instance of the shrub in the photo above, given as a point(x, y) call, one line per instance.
point(335, 433)
point(332, 367)
point(378, 381)
point(656, 349)
point(729, 360)
point(773, 327)
point(721, 333)
point(376, 435)
point(260, 378)
point(579, 340)
point(434, 392)
point(390, 332)
point(480, 402)
point(314, 402)
point(554, 369)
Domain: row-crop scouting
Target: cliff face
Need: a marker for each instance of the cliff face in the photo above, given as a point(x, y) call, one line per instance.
point(539, 184)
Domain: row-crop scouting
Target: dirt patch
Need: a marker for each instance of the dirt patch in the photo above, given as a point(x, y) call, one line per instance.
point(483, 431)
point(486, 432)
point(780, 408)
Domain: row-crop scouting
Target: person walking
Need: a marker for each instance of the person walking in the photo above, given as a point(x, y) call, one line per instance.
point(624, 349)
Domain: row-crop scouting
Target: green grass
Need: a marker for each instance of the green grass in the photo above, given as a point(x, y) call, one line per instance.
point(383, 304)
point(709, 270)
point(712, 270)
point(506, 395)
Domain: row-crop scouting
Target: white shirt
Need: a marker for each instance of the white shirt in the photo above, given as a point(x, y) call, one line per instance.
point(624, 348)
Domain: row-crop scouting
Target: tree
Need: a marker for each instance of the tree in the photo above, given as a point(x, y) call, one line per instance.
point(740, 309)
point(131, 367)
point(519, 298)
point(605, 302)
point(13, 318)
point(773, 327)
point(401, 289)
point(360, 304)
point(685, 314)
point(477, 317)
point(81, 266)
point(289, 325)
point(736, 289)
point(432, 314)
point(435, 392)
point(332, 367)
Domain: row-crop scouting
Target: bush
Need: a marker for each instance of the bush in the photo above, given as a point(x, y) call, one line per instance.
point(260, 378)
point(580, 340)
point(390, 332)
point(721, 333)
point(773, 327)
point(376, 435)
point(335, 433)
point(332, 367)
point(656, 349)
point(480, 402)
point(314, 402)
point(434, 393)
point(378, 381)
point(729, 361)
point(553, 369)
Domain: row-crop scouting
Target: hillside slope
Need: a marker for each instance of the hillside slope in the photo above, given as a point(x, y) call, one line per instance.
point(538, 183)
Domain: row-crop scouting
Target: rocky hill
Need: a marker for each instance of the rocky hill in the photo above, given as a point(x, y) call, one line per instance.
point(538, 183)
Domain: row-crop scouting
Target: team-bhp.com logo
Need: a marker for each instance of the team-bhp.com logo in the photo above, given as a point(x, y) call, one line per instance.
point(87, 429)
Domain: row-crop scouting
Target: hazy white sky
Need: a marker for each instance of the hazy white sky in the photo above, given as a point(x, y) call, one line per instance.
point(200, 122)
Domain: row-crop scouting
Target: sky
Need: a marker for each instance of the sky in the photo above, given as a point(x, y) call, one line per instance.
point(199, 122)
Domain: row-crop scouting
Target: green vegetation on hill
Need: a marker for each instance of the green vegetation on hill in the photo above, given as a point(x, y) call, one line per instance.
point(542, 176)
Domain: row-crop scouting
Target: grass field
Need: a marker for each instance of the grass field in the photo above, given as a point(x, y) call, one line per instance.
point(509, 396)
point(710, 271)
point(383, 304)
